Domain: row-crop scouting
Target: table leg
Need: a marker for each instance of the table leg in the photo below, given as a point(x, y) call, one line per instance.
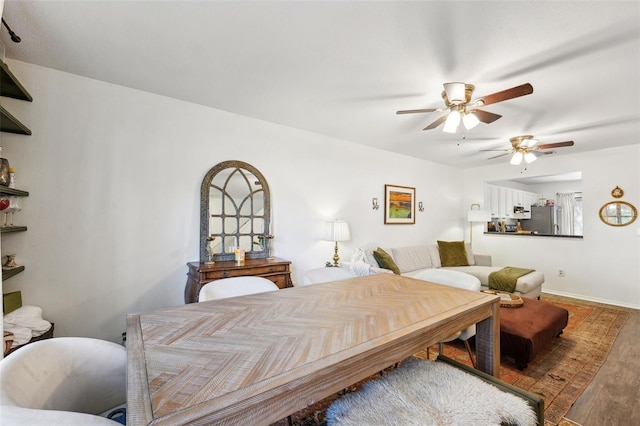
point(488, 343)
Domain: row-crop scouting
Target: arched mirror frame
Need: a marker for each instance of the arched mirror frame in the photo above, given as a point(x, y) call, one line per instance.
point(603, 216)
point(205, 210)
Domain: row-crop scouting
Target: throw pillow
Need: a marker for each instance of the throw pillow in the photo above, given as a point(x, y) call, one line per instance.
point(385, 260)
point(453, 253)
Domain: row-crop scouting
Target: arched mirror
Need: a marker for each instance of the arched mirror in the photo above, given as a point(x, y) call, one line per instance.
point(618, 213)
point(235, 211)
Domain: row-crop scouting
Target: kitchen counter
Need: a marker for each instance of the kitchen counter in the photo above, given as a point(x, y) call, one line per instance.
point(529, 234)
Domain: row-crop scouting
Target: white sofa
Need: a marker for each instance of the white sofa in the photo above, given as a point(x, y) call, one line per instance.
point(411, 261)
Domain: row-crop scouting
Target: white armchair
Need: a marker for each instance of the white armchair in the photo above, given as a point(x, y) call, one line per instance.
point(235, 286)
point(63, 381)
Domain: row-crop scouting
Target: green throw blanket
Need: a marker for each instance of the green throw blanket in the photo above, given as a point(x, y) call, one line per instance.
point(505, 279)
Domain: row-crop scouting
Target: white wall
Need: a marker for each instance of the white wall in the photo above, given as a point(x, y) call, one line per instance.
point(604, 265)
point(114, 177)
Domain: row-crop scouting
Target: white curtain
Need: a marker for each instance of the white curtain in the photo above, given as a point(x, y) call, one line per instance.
point(566, 206)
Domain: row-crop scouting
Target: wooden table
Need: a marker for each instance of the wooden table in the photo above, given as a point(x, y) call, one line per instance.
point(255, 359)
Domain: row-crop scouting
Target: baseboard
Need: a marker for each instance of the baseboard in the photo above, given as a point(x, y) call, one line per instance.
point(591, 299)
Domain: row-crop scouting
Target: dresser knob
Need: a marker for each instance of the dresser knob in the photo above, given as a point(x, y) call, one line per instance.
point(225, 274)
point(270, 269)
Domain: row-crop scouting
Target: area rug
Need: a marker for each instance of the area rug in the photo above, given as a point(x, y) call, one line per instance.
point(559, 373)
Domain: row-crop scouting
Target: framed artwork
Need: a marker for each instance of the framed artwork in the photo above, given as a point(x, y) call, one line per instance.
point(399, 204)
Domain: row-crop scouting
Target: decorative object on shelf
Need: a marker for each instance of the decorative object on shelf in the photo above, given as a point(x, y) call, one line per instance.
point(420, 207)
point(374, 201)
point(618, 213)
point(10, 263)
point(269, 239)
point(211, 249)
point(336, 230)
point(13, 207)
point(239, 255)
point(476, 215)
point(399, 204)
point(617, 192)
point(12, 177)
point(5, 177)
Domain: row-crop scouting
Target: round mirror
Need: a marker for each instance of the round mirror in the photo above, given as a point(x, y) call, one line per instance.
point(618, 213)
point(234, 212)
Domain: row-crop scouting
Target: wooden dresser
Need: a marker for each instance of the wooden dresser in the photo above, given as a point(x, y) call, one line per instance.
point(275, 269)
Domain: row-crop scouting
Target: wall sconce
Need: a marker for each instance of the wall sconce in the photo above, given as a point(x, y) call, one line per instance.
point(420, 207)
point(374, 201)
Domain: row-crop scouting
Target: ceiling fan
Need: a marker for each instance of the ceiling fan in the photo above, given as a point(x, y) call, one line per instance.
point(457, 98)
point(525, 148)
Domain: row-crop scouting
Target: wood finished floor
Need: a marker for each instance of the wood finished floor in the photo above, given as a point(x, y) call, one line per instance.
point(613, 397)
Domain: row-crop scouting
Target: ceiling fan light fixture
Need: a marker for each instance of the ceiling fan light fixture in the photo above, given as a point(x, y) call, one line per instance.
point(530, 157)
point(455, 92)
point(453, 120)
point(470, 120)
point(517, 158)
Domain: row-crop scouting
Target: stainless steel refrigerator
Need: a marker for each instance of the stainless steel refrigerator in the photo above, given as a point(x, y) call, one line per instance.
point(543, 220)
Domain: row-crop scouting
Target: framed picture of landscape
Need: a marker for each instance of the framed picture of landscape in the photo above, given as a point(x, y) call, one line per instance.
point(399, 204)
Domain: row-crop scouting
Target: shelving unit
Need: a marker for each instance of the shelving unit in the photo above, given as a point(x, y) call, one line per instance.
point(10, 87)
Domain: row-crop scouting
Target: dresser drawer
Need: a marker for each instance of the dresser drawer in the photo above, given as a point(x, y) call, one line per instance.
point(241, 272)
point(281, 280)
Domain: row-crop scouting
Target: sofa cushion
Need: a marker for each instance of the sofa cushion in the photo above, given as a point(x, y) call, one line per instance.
point(450, 277)
point(412, 258)
point(385, 260)
point(453, 253)
point(434, 253)
point(471, 259)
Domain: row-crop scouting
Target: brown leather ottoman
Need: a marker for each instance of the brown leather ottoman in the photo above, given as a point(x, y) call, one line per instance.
point(524, 331)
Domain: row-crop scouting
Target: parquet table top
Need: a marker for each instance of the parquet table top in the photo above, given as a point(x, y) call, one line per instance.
point(255, 359)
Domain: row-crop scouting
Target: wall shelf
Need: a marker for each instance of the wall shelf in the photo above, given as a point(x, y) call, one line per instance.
point(9, 229)
point(12, 191)
point(8, 273)
point(10, 86)
point(10, 124)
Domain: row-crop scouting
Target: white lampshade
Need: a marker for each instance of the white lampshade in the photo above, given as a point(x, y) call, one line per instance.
point(516, 159)
point(336, 230)
point(470, 120)
point(478, 215)
point(530, 157)
point(455, 92)
point(451, 125)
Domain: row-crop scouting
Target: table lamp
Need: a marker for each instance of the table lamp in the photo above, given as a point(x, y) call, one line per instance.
point(336, 230)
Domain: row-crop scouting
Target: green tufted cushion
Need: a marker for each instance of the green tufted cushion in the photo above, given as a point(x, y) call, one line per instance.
point(453, 253)
point(385, 260)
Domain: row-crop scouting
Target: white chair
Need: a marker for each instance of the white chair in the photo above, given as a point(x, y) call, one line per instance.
point(459, 280)
point(63, 381)
point(235, 286)
point(326, 274)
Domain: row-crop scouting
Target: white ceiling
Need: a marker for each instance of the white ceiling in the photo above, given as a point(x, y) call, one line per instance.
point(342, 68)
